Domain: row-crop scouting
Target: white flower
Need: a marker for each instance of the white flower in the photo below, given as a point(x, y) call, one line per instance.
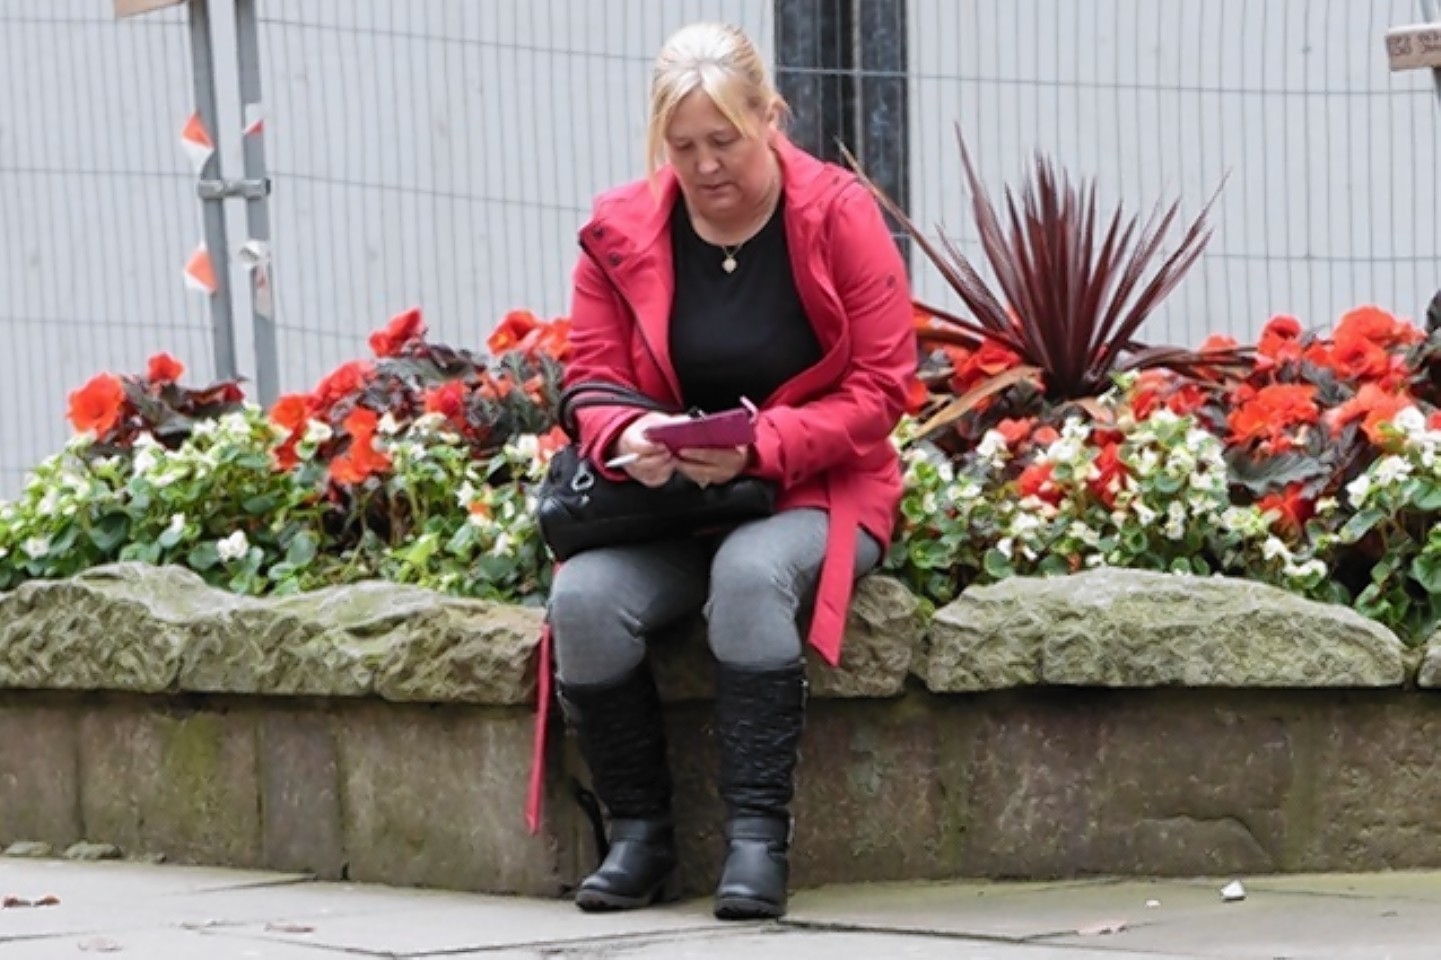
point(992, 445)
point(1358, 489)
point(1274, 548)
point(1147, 463)
point(1391, 470)
point(1006, 545)
point(1144, 514)
point(1305, 571)
point(317, 432)
point(36, 547)
point(504, 545)
point(49, 504)
point(1326, 505)
point(527, 446)
point(234, 546)
point(1410, 421)
point(388, 426)
point(465, 496)
point(177, 523)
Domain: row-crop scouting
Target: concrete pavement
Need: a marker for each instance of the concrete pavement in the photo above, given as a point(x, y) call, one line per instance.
point(165, 912)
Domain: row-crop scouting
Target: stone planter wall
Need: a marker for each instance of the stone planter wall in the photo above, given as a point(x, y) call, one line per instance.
point(1111, 723)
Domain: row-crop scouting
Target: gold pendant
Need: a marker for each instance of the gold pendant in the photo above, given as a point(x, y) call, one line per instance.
point(729, 264)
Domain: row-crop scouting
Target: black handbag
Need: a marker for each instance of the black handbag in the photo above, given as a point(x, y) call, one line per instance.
point(580, 509)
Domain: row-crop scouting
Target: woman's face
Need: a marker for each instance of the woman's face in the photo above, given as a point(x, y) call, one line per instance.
point(724, 175)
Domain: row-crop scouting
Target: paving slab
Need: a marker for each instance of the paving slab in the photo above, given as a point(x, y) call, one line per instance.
point(157, 945)
point(1017, 912)
point(784, 943)
point(468, 923)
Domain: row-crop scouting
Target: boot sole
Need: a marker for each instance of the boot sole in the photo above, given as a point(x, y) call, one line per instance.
point(748, 908)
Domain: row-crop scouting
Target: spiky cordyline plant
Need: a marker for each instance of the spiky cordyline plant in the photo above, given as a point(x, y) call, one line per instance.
point(1071, 298)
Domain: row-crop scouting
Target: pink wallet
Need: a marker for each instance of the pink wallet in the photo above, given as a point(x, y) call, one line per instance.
point(732, 428)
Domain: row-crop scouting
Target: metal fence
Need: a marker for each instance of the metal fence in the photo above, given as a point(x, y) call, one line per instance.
point(442, 153)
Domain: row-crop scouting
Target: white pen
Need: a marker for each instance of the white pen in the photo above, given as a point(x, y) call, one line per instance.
point(624, 460)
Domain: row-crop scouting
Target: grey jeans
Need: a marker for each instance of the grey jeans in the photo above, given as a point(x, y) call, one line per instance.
point(750, 585)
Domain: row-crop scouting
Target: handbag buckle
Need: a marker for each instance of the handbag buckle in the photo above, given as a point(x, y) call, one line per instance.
point(583, 479)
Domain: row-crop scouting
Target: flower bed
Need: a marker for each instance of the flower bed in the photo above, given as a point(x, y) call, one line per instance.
point(1317, 471)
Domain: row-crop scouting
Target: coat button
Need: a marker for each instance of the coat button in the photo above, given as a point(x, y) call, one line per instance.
point(614, 259)
point(598, 232)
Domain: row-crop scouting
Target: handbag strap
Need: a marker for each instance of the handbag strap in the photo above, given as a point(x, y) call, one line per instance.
point(601, 393)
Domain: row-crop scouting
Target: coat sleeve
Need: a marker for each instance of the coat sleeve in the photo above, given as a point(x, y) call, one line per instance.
point(794, 443)
point(599, 335)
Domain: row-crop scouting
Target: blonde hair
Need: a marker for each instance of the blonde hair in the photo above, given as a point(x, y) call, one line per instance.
point(719, 59)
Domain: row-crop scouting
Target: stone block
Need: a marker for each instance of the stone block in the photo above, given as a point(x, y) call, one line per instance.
point(1373, 802)
point(158, 777)
point(39, 783)
point(437, 797)
point(1131, 628)
point(300, 793)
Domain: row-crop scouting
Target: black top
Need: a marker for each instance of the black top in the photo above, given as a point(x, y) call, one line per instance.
point(739, 334)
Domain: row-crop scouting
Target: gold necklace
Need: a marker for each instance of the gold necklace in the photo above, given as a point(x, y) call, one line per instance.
point(729, 263)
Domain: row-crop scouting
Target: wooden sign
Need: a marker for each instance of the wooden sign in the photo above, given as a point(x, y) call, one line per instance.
point(1414, 48)
point(131, 8)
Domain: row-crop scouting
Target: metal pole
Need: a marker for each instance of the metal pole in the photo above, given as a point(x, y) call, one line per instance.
point(222, 320)
point(1428, 10)
point(257, 206)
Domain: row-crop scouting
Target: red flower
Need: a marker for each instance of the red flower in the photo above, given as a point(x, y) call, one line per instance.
point(1111, 475)
point(1045, 436)
point(1371, 405)
point(1280, 340)
point(1377, 326)
point(291, 412)
point(1015, 430)
point(1218, 342)
point(553, 340)
point(551, 441)
point(1035, 481)
point(1355, 358)
point(163, 368)
point(341, 382)
point(1265, 414)
point(447, 399)
point(99, 405)
point(402, 328)
point(361, 459)
point(1293, 508)
point(916, 396)
point(512, 331)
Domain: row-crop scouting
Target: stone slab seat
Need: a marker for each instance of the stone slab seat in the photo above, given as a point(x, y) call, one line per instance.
point(1114, 722)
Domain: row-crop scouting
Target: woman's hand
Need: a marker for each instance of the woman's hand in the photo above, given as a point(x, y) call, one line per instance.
point(708, 466)
point(653, 464)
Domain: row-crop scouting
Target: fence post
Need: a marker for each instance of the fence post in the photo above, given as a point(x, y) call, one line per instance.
point(1428, 10)
point(257, 204)
point(222, 318)
point(841, 64)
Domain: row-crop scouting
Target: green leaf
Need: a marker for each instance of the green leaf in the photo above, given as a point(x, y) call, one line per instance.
point(1266, 474)
point(259, 504)
point(110, 532)
point(1426, 570)
point(1361, 524)
point(1427, 496)
point(1054, 565)
point(170, 536)
point(203, 556)
point(302, 549)
point(997, 565)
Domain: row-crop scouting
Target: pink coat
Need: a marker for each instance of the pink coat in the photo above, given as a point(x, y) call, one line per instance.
point(824, 436)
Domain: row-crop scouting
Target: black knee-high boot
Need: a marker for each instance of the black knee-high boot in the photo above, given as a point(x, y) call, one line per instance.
point(759, 716)
point(622, 740)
